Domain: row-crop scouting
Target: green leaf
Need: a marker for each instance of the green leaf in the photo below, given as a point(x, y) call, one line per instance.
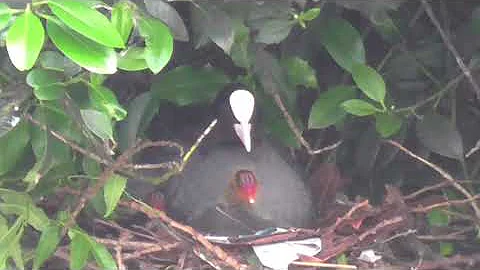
point(438, 218)
point(359, 107)
point(201, 86)
point(98, 123)
point(105, 100)
point(112, 191)
point(343, 42)
point(310, 14)
point(446, 249)
point(52, 114)
point(103, 258)
point(13, 146)
point(21, 204)
point(80, 248)
point(5, 15)
point(169, 15)
point(299, 72)
point(53, 60)
point(213, 22)
point(47, 245)
point(439, 135)
point(276, 125)
point(122, 18)
point(369, 81)
point(240, 48)
point(326, 110)
point(274, 31)
point(141, 111)
point(16, 254)
point(47, 84)
point(387, 124)
point(25, 40)
point(86, 53)
point(158, 43)
point(87, 22)
point(79, 251)
point(132, 59)
point(9, 239)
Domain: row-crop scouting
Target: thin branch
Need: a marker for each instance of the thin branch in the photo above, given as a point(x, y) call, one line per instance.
point(451, 48)
point(444, 174)
point(296, 131)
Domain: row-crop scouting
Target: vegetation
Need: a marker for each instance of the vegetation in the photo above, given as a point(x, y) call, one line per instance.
point(362, 81)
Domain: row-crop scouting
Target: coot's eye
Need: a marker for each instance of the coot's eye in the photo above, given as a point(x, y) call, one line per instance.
point(245, 178)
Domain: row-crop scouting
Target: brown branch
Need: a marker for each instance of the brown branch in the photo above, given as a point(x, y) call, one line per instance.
point(73, 145)
point(424, 209)
point(444, 174)
point(153, 249)
point(451, 48)
point(156, 214)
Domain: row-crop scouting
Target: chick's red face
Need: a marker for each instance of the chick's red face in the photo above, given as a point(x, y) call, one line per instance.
point(247, 186)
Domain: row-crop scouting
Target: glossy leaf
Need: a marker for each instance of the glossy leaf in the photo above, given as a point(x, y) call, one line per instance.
point(369, 81)
point(218, 26)
point(112, 191)
point(274, 31)
point(438, 134)
point(158, 43)
point(5, 15)
point(98, 123)
point(87, 22)
point(51, 112)
point(326, 110)
point(86, 53)
point(141, 111)
point(49, 240)
point(359, 107)
point(132, 59)
point(13, 146)
point(299, 72)
point(343, 42)
point(47, 84)
point(169, 15)
point(202, 85)
point(79, 251)
point(53, 60)
point(25, 40)
point(105, 100)
point(122, 19)
point(387, 124)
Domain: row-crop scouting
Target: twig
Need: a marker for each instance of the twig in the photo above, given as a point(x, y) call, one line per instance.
point(118, 252)
point(73, 145)
point(444, 174)
point(458, 235)
point(296, 131)
point(424, 209)
point(325, 265)
point(104, 177)
point(154, 213)
point(152, 249)
point(451, 48)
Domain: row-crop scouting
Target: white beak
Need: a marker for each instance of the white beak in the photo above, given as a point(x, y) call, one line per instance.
point(242, 103)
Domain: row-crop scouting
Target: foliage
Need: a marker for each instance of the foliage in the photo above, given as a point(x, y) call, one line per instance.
point(59, 57)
